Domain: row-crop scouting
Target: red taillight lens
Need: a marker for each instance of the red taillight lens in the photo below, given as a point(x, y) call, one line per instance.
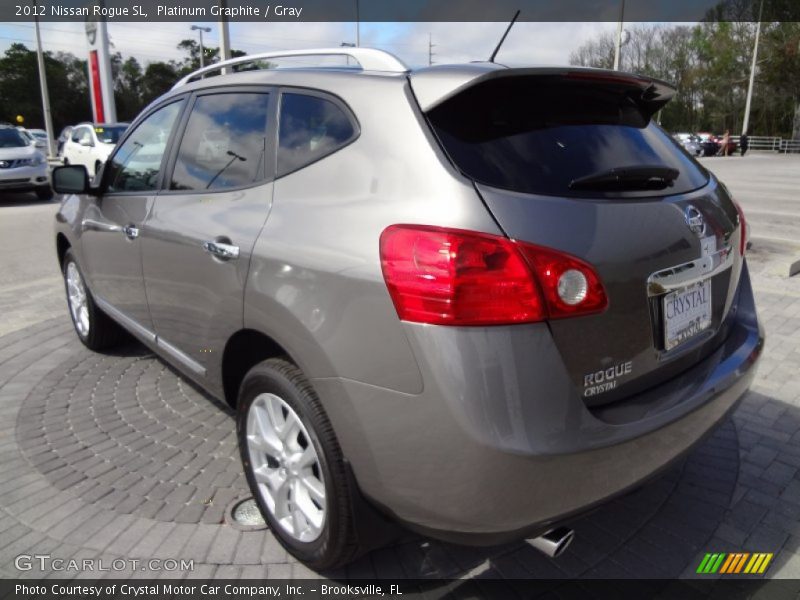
point(455, 277)
point(743, 232)
point(556, 273)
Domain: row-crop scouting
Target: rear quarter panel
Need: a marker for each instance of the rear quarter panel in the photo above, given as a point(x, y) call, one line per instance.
point(315, 282)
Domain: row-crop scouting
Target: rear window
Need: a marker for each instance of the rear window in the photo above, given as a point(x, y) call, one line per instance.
point(539, 134)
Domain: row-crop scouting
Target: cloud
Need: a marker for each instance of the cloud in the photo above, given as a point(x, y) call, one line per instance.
point(528, 43)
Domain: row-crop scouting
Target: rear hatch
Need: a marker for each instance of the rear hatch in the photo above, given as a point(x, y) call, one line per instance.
point(573, 160)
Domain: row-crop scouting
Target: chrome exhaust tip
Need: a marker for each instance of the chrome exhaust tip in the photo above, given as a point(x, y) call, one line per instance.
point(554, 542)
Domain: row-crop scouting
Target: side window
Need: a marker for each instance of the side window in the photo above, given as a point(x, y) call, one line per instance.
point(77, 134)
point(310, 128)
point(224, 144)
point(136, 164)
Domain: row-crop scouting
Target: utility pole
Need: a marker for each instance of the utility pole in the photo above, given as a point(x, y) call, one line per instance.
point(202, 51)
point(358, 26)
point(224, 38)
point(431, 45)
point(619, 35)
point(48, 119)
point(749, 100)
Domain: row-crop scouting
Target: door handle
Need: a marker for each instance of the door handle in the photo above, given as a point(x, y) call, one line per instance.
point(131, 232)
point(220, 250)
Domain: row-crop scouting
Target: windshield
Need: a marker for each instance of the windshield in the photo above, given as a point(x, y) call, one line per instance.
point(539, 134)
point(110, 134)
point(11, 138)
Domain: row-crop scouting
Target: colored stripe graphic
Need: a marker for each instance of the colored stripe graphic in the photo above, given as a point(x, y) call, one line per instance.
point(735, 562)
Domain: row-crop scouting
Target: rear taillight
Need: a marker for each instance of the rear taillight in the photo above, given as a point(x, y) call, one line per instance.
point(743, 232)
point(455, 277)
point(570, 285)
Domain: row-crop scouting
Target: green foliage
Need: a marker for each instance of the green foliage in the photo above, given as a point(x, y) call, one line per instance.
point(710, 65)
point(68, 85)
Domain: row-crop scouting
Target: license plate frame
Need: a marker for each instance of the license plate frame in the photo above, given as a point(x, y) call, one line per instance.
point(686, 312)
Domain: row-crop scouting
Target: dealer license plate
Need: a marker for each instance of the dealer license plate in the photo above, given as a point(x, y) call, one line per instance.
point(686, 312)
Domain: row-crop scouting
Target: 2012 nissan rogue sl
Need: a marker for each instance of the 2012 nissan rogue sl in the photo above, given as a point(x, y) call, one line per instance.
point(473, 299)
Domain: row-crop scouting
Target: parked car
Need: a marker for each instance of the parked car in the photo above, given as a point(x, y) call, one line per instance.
point(23, 167)
point(434, 297)
point(709, 144)
point(732, 145)
point(690, 142)
point(65, 134)
point(30, 138)
point(90, 144)
point(40, 135)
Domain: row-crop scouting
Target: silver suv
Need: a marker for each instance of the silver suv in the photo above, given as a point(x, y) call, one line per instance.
point(471, 299)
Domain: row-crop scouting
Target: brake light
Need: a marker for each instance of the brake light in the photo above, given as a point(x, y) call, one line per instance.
point(743, 231)
point(454, 277)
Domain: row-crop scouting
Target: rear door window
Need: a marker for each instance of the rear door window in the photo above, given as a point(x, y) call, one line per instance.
point(539, 134)
point(311, 127)
point(225, 142)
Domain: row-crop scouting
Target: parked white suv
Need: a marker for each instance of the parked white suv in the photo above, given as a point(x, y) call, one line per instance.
point(23, 168)
point(91, 144)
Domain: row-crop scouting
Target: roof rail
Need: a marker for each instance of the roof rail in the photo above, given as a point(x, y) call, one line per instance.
point(370, 59)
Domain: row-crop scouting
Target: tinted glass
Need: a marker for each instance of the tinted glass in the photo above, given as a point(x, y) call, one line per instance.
point(539, 134)
point(224, 143)
point(109, 135)
point(78, 133)
point(11, 138)
point(136, 165)
point(310, 128)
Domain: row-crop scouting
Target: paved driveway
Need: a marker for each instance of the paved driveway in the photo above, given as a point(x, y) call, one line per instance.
point(115, 456)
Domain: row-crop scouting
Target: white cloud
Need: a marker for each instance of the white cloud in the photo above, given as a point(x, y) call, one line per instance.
point(530, 43)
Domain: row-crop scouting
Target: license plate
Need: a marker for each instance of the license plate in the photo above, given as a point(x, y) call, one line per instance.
point(686, 312)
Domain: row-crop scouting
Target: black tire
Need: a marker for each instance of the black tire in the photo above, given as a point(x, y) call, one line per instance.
point(66, 161)
point(97, 166)
point(44, 193)
point(103, 331)
point(338, 543)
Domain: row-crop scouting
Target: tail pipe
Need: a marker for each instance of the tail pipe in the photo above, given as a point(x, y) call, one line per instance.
point(554, 542)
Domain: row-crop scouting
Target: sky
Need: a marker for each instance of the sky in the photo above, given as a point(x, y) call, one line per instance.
point(531, 43)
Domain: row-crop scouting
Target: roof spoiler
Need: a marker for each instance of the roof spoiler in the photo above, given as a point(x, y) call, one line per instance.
point(435, 85)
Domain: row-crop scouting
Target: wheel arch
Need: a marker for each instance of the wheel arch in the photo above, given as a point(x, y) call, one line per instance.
point(245, 349)
point(62, 245)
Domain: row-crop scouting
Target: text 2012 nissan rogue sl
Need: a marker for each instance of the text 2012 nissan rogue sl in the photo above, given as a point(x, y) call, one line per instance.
point(473, 299)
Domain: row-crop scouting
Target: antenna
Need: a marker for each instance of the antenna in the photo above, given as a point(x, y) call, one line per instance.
point(503, 39)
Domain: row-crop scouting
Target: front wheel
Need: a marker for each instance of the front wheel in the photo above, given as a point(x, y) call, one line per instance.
point(44, 193)
point(294, 466)
point(94, 328)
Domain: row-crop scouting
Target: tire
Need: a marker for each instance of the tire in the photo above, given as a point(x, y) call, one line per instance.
point(94, 328)
point(97, 166)
point(66, 161)
point(44, 193)
point(332, 542)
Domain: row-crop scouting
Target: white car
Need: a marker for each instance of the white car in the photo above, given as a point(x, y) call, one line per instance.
point(23, 167)
point(90, 144)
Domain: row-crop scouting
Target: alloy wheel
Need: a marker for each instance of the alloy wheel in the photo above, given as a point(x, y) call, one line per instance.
point(77, 300)
point(286, 468)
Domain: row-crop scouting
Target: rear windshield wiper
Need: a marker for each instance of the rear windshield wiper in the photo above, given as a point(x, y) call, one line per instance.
point(641, 177)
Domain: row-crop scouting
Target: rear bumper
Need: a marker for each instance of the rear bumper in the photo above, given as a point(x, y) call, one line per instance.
point(499, 444)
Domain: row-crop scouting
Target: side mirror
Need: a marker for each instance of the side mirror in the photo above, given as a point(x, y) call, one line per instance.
point(86, 143)
point(71, 179)
point(39, 144)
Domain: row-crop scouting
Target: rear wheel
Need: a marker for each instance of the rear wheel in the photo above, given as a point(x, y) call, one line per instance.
point(94, 328)
point(294, 466)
